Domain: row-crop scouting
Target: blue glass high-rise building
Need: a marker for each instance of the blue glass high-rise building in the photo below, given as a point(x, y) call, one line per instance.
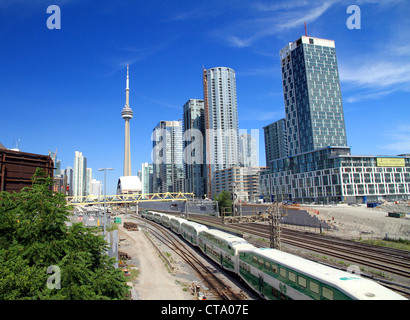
point(194, 147)
point(167, 155)
point(312, 96)
point(319, 166)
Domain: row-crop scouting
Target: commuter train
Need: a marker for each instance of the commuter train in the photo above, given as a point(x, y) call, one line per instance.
point(273, 274)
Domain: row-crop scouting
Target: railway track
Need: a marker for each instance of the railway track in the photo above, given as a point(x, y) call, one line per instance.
point(219, 288)
point(385, 259)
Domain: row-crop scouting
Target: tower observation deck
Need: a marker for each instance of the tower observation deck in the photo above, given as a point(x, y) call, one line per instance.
point(127, 115)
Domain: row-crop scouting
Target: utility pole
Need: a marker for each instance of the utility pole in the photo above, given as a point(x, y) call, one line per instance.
point(105, 196)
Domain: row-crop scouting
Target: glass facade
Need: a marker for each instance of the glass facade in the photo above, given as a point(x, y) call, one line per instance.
point(276, 142)
point(312, 96)
point(167, 155)
point(319, 166)
point(221, 120)
point(194, 146)
point(79, 175)
point(333, 175)
point(248, 155)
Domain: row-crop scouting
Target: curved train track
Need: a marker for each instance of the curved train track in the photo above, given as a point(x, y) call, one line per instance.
point(390, 260)
point(393, 261)
point(218, 287)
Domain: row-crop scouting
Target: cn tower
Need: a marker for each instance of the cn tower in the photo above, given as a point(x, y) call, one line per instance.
point(126, 114)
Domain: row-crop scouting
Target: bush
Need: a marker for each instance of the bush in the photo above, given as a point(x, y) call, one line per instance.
point(34, 236)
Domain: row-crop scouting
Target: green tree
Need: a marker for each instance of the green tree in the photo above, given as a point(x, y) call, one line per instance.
point(225, 202)
point(34, 236)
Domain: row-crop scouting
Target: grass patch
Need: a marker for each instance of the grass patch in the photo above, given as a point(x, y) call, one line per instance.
point(401, 244)
point(134, 273)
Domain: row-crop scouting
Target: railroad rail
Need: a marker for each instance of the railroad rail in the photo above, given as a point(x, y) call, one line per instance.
point(389, 260)
point(395, 261)
point(221, 290)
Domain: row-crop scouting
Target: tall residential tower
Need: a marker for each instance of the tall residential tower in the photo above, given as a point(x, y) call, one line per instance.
point(167, 156)
point(276, 141)
point(79, 175)
point(127, 114)
point(194, 147)
point(221, 121)
point(313, 101)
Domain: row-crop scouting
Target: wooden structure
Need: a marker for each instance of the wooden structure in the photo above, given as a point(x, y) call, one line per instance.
point(17, 168)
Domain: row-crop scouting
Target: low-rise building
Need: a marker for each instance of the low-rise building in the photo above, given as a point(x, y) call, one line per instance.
point(17, 168)
point(332, 175)
point(242, 181)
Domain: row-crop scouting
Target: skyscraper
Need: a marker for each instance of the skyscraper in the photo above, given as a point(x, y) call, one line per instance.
point(194, 147)
point(88, 180)
point(167, 155)
point(221, 121)
point(68, 181)
point(248, 156)
point(147, 170)
point(79, 175)
point(127, 114)
point(276, 143)
point(313, 101)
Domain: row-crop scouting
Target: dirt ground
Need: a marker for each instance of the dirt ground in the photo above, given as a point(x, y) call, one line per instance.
point(154, 282)
point(362, 222)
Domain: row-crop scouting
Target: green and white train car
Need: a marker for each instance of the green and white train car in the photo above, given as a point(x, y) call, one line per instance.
point(158, 217)
point(175, 224)
point(279, 275)
point(149, 215)
point(190, 231)
point(223, 248)
point(165, 220)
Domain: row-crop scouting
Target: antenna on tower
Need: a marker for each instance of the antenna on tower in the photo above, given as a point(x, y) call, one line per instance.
point(305, 30)
point(128, 77)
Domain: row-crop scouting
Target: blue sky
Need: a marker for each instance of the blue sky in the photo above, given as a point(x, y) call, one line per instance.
point(65, 89)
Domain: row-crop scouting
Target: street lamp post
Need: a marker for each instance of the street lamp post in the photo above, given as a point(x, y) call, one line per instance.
point(105, 196)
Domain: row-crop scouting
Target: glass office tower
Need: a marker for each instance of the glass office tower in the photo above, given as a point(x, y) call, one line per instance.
point(194, 147)
point(167, 156)
point(313, 101)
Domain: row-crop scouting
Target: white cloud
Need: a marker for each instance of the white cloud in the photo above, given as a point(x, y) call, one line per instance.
point(286, 5)
point(371, 95)
point(384, 67)
point(377, 73)
point(375, 79)
point(269, 21)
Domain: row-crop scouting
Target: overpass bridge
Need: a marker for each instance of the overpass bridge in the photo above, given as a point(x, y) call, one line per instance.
point(128, 198)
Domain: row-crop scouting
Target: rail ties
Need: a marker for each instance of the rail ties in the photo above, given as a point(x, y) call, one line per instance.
point(391, 260)
point(185, 252)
